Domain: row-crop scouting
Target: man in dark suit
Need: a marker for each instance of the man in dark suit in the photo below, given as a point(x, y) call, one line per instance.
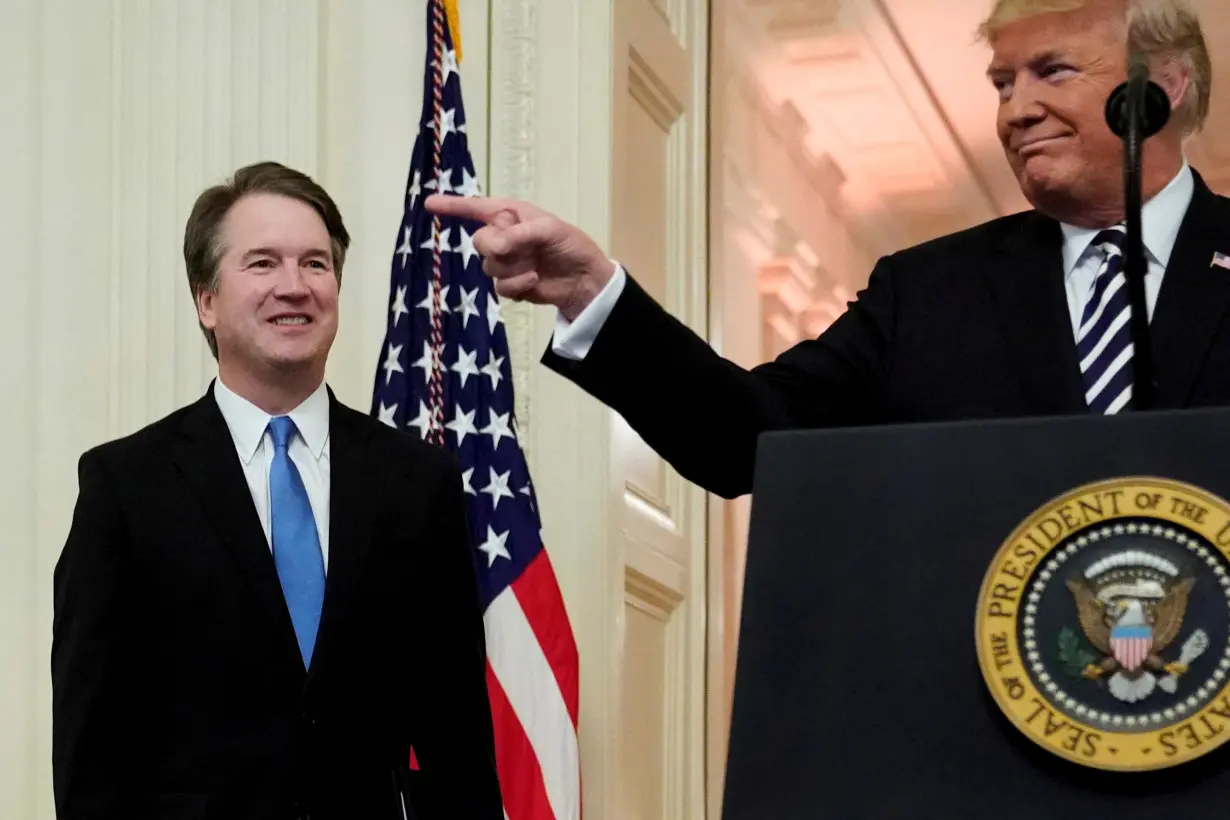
point(1024, 315)
point(266, 598)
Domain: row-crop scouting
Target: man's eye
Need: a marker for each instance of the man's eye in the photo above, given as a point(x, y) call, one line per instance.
point(1056, 70)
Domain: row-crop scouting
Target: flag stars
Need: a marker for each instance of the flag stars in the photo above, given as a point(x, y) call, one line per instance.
point(443, 183)
point(497, 487)
point(428, 304)
point(444, 180)
point(447, 66)
point(497, 428)
point(416, 188)
point(386, 414)
point(492, 370)
point(466, 365)
point(494, 547)
point(469, 185)
point(405, 250)
point(392, 363)
point(424, 421)
point(427, 362)
point(494, 316)
point(461, 424)
point(448, 122)
point(465, 482)
point(465, 247)
point(439, 240)
point(469, 299)
point(399, 305)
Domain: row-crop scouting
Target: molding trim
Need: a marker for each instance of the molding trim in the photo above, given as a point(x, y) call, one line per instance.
point(512, 151)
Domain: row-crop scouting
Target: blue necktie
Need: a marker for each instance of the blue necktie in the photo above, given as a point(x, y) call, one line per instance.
point(296, 544)
point(1104, 339)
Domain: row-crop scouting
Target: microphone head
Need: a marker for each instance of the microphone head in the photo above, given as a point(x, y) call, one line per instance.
point(1155, 112)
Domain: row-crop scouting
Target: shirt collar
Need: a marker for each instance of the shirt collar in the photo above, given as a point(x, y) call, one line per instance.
point(1160, 219)
point(247, 422)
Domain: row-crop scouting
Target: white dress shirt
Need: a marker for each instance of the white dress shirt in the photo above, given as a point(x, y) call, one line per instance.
point(309, 450)
point(1160, 218)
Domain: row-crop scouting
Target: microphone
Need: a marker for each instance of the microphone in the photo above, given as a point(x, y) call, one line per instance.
point(1153, 114)
point(1135, 111)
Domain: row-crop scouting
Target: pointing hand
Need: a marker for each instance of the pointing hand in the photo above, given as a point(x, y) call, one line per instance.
point(531, 255)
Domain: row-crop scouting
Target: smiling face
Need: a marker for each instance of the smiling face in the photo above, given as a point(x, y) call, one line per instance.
point(274, 308)
point(1054, 73)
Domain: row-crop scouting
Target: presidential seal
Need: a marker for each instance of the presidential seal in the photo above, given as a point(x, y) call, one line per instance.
point(1103, 625)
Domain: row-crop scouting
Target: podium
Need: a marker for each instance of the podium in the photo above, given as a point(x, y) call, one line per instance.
point(1015, 619)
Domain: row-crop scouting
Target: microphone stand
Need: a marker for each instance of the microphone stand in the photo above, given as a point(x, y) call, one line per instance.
point(1137, 110)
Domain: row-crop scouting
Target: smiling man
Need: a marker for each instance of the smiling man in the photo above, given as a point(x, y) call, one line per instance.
point(1024, 315)
point(266, 598)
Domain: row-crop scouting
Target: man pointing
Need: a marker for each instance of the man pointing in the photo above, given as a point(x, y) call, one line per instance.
point(1024, 315)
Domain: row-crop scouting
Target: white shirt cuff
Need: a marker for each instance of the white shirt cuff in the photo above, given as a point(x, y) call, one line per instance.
point(573, 340)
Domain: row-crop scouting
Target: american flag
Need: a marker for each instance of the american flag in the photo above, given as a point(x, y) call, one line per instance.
point(444, 374)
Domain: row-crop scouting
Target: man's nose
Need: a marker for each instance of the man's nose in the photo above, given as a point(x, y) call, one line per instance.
point(291, 281)
point(1023, 106)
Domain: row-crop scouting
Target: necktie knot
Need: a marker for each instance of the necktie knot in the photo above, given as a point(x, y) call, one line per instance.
point(1110, 241)
point(281, 429)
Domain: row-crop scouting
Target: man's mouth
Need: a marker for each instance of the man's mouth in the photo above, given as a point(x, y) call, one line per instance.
point(291, 319)
point(1032, 146)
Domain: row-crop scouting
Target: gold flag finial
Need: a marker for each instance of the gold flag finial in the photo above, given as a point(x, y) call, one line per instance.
point(454, 25)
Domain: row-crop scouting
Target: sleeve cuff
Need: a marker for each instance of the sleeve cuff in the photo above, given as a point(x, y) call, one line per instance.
point(573, 340)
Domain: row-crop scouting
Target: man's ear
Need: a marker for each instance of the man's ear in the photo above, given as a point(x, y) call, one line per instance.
point(1173, 77)
point(205, 308)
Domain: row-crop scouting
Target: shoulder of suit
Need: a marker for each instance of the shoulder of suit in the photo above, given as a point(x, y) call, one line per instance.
point(402, 446)
point(151, 440)
point(979, 238)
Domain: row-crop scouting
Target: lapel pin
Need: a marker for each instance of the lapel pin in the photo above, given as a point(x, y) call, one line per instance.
point(1220, 260)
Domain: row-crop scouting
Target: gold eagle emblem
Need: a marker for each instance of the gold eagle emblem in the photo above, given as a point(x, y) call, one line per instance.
point(1097, 619)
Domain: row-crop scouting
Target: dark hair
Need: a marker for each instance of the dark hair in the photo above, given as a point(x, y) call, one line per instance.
point(202, 244)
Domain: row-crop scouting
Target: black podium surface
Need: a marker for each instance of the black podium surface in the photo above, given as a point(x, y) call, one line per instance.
point(859, 691)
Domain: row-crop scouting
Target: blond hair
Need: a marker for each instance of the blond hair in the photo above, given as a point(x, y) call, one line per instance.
point(1161, 29)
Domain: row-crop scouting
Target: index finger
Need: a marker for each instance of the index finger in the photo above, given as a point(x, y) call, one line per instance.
point(478, 208)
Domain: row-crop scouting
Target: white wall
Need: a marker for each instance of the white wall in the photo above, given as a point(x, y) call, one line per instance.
point(113, 116)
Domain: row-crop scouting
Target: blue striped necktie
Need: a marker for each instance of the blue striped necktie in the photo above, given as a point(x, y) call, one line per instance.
point(1104, 339)
point(296, 544)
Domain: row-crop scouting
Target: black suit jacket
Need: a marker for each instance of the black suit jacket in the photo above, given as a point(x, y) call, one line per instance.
point(179, 691)
point(970, 325)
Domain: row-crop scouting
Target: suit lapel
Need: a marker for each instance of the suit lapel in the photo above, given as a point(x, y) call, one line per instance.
point(1193, 297)
point(205, 455)
point(354, 488)
point(1026, 281)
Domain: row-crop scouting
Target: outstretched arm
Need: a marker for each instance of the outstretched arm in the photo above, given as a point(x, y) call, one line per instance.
point(703, 413)
point(699, 411)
